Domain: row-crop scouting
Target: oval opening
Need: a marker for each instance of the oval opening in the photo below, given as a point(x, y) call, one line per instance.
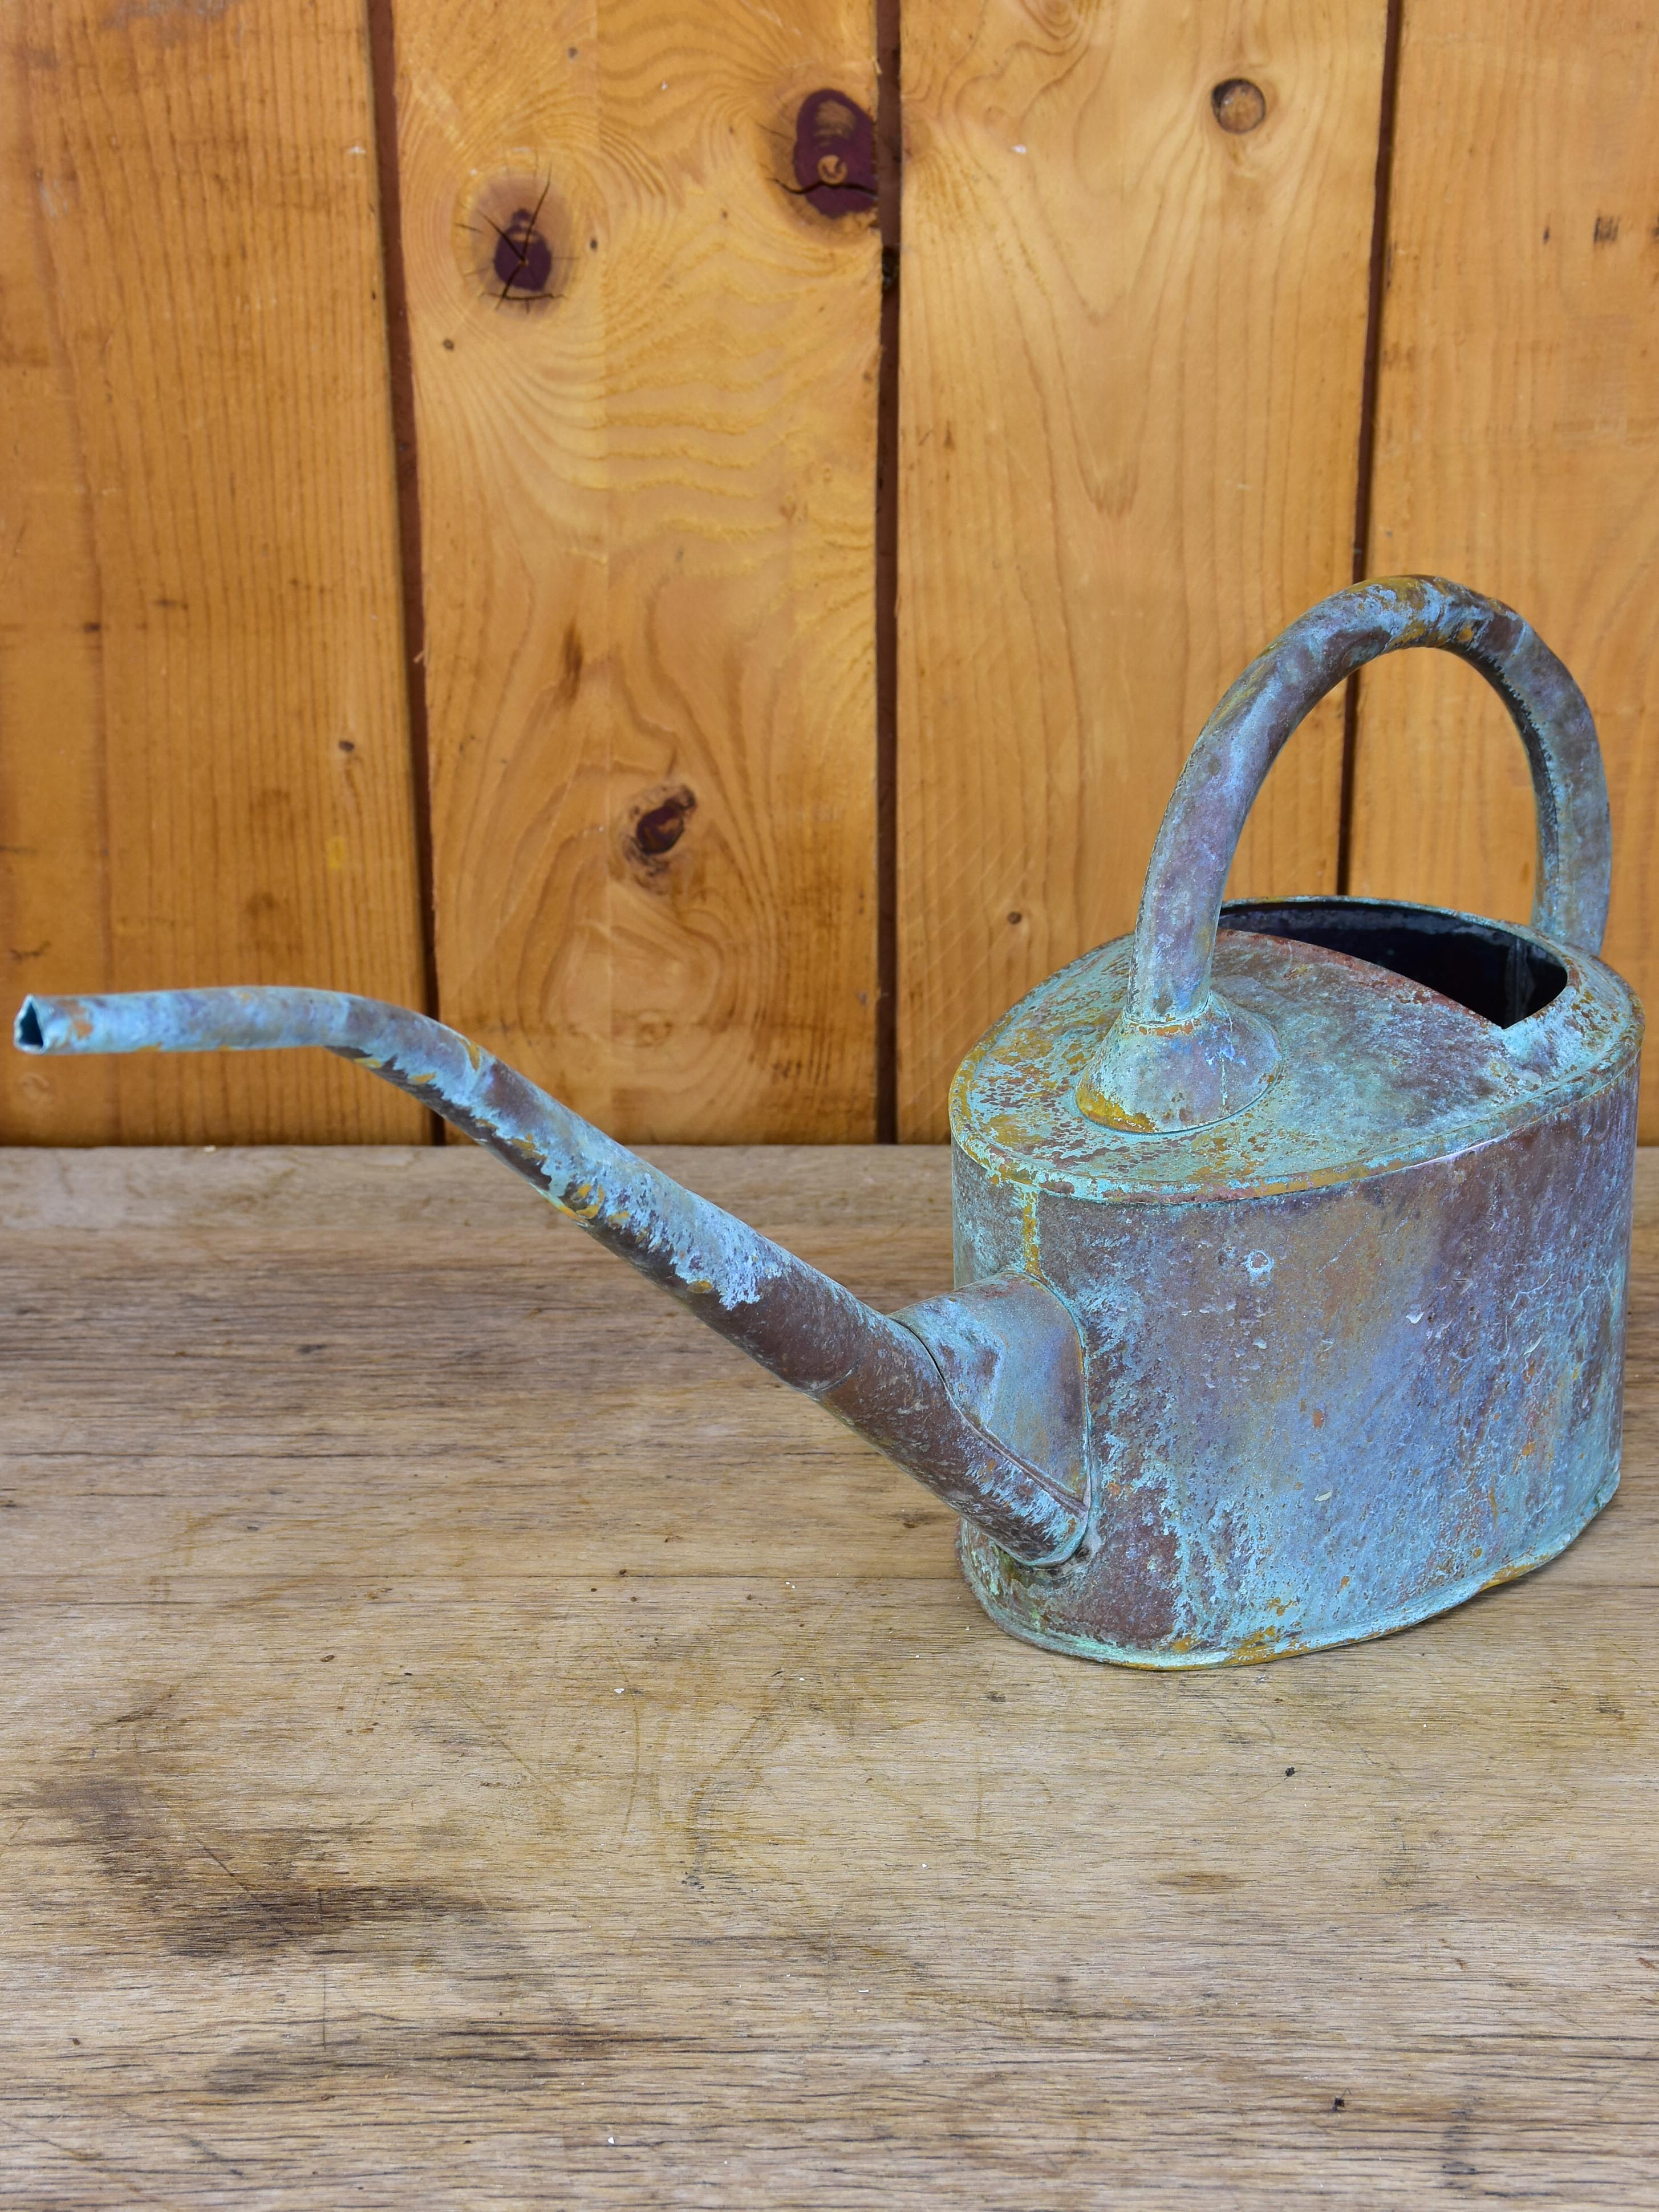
point(1493, 971)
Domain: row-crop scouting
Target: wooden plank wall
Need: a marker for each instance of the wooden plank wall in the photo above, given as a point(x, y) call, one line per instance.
point(608, 682)
point(1133, 352)
point(204, 767)
point(1517, 443)
point(646, 492)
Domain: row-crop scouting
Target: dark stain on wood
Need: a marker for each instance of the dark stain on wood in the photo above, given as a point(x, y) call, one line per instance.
point(476, 2052)
point(510, 241)
point(835, 158)
point(523, 259)
point(1238, 106)
point(205, 1895)
point(656, 822)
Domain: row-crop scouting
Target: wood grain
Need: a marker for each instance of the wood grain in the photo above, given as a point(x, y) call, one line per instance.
point(1518, 440)
point(470, 1740)
point(648, 497)
point(205, 772)
point(1132, 347)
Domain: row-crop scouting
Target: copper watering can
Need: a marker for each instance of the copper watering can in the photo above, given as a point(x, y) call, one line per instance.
point(1291, 1236)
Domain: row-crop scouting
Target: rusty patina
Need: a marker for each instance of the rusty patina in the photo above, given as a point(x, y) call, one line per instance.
point(1291, 1237)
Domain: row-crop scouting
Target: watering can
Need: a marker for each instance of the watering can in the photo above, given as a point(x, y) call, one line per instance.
point(1292, 1236)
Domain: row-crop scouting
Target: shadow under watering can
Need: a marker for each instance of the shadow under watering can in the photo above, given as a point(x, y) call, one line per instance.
point(1291, 1237)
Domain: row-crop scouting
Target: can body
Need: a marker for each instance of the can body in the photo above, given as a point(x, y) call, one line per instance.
point(1318, 1415)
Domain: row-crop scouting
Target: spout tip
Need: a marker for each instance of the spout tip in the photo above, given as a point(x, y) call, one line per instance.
point(27, 1033)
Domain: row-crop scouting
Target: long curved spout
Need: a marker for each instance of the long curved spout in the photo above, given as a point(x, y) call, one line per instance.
point(876, 1373)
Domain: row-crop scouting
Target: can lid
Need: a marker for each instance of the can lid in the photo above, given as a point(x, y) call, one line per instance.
point(1405, 1033)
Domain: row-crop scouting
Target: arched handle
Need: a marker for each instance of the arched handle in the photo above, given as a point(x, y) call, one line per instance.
point(1179, 1057)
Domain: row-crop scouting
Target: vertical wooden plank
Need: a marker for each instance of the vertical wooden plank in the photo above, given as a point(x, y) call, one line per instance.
point(1132, 358)
point(203, 762)
point(646, 367)
point(1518, 440)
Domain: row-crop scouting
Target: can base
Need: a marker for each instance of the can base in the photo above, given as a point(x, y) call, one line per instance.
point(1041, 1606)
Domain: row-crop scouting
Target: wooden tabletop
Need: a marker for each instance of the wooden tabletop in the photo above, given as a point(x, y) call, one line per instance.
point(471, 1741)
